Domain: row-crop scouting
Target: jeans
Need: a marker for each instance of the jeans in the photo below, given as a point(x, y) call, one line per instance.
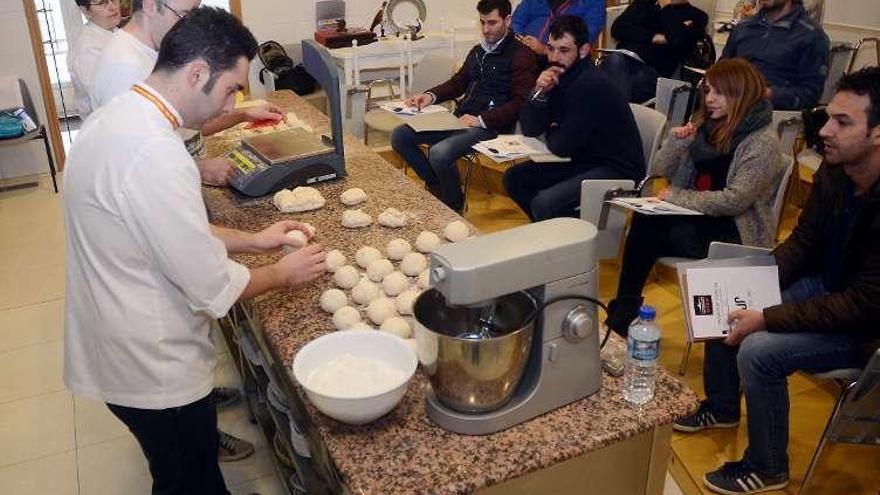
point(546, 191)
point(438, 169)
point(761, 365)
point(651, 237)
point(636, 80)
point(181, 445)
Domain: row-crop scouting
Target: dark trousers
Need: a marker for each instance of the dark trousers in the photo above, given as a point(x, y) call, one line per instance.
point(654, 236)
point(636, 80)
point(551, 190)
point(181, 445)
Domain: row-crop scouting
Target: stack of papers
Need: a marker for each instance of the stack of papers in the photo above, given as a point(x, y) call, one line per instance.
point(652, 206)
point(507, 147)
point(400, 108)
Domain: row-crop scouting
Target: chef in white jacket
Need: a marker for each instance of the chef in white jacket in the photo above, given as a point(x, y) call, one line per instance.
point(103, 17)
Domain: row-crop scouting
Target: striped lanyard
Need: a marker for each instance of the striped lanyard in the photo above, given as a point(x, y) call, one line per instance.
point(553, 13)
point(163, 109)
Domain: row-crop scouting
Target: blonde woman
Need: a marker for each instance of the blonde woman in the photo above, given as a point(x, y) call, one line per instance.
point(724, 164)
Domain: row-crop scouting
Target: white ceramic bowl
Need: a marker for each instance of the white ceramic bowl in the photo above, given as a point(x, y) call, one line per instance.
point(375, 345)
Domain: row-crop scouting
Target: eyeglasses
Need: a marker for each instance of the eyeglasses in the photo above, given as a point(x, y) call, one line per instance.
point(102, 3)
point(178, 13)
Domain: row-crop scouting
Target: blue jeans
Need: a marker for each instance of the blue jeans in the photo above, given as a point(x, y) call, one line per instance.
point(761, 365)
point(438, 169)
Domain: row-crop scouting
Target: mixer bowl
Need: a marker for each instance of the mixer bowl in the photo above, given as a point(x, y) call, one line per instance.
point(470, 371)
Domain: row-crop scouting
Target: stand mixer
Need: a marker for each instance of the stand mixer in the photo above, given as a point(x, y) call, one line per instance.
point(492, 361)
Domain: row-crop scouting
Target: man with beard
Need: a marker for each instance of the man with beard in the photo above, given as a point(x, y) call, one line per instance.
point(585, 118)
point(788, 47)
point(829, 269)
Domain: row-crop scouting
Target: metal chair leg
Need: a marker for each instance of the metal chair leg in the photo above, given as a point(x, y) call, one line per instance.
point(45, 139)
point(822, 441)
point(682, 366)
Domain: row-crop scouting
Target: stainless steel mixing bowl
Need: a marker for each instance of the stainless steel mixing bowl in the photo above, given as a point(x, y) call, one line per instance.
point(474, 356)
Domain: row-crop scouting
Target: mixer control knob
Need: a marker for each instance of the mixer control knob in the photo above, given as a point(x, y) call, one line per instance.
point(438, 274)
point(578, 324)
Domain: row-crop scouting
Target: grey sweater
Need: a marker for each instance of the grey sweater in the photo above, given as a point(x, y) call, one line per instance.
point(754, 173)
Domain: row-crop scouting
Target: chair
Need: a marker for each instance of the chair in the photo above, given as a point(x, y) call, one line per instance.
point(788, 125)
point(674, 99)
point(38, 133)
point(780, 194)
point(861, 51)
point(611, 230)
point(718, 251)
point(855, 417)
point(611, 15)
point(840, 58)
point(651, 124)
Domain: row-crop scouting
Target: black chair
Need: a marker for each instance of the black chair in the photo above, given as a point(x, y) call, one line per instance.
point(38, 133)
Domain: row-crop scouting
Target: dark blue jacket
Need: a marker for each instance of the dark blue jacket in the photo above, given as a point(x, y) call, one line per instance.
point(533, 17)
point(792, 53)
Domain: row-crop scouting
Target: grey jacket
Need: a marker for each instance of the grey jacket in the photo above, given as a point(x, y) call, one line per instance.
point(754, 173)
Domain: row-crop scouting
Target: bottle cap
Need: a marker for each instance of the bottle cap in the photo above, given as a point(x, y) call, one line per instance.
point(647, 312)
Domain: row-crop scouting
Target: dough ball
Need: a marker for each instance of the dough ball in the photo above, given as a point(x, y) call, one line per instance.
point(395, 283)
point(298, 237)
point(392, 217)
point(300, 199)
point(355, 219)
point(333, 299)
point(311, 228)
point(364, 292)
point(405, 300)
point(397, 326)
point(424, 280)
point(427, 242)
point(456, 231)
point(366, 254)
point(346, 276)
point(361, 326)
point(353, 196)
point(334, 260)
point(380, 310)
point(413, 264)
point(397, 248)
point(345, 317)
point(377, 269)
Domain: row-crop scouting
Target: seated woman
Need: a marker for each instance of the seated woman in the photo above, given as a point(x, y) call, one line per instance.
point(726, 165)
point(103, 18)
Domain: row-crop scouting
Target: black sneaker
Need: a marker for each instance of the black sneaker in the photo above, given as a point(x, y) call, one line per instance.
point(702, 419)
point(737, 477)
point(224, 396)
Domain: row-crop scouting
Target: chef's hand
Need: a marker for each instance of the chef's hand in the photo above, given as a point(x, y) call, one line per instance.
point(470, 120)
point(275, 236)
point(216, 171)
point(268, 111)
point(742, 323)
point(419, 101)
point(684, 131)
point(548, 79)
point(302, 266)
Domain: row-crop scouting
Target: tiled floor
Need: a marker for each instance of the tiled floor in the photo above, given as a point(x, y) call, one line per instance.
point(54, 443)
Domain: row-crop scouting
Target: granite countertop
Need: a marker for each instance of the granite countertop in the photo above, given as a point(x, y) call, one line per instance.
point(404, 452)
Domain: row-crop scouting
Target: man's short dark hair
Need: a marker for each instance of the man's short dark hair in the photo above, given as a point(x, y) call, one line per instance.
point(572, 25)
point(209, 34)
point(865, 82)
point(485, 7)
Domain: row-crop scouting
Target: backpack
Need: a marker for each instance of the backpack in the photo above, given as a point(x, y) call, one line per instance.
point(287, 75)
point(10, 126)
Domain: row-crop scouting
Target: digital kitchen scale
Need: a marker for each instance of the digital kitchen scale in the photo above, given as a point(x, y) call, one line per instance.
point(267, 163)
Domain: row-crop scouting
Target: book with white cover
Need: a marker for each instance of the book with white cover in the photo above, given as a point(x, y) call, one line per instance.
point(711, 293)
point(508, 147)
point(652, 206)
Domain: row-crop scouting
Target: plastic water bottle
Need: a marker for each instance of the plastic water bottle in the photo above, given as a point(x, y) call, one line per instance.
point(642, 351)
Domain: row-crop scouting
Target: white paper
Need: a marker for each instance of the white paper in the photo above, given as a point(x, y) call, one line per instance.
point(713, 293)
point(399, 108)
point(439, 121)
point(508, 147)
point(652, 206)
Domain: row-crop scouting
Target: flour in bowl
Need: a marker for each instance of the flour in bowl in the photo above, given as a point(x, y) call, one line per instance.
point(349, 376)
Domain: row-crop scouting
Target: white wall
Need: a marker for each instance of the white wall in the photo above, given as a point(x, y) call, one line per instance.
point(16, 58)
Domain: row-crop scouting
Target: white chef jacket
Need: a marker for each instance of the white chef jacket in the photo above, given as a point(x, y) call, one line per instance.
point(82, 59)
point(124, 62)
point(145, 276)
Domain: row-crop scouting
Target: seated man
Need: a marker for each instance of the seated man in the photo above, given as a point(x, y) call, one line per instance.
point(829, 269)
point(585, 118)
point(662, 33)
point(493, 83)
point(532, 18)
point(788, 47)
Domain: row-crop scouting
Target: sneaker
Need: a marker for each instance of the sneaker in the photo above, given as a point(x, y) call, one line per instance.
point(224, 396)
point(737, 477)
point(702, 419)
point(232, 448)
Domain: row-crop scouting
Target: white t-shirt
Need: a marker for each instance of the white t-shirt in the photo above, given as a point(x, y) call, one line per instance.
point(124, 62)
point(82, 59)
point(145, 276)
